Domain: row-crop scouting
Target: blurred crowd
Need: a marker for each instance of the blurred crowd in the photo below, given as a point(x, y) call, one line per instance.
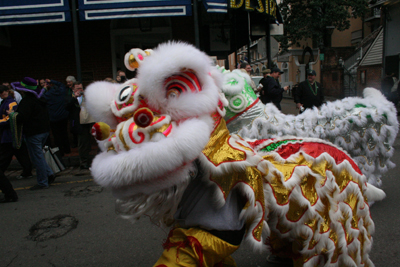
point(36, 113)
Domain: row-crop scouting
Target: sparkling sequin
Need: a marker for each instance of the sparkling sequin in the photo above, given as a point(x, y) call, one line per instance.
point(308, 189)
point(325, 224)
point(296, 211)
point(333, 236)
point(218, 149)
point(352, 201)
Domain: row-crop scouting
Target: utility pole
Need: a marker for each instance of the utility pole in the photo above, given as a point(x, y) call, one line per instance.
point(249, 41)
point(196, 25)
point(76, 41)
point(268, 37)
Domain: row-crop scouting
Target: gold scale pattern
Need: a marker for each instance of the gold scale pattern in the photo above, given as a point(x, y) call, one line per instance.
point(225, 149)
point(319, 220)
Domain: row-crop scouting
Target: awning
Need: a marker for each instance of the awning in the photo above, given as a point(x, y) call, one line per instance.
point(17, 12)
point(119, 9)
point(216, 6)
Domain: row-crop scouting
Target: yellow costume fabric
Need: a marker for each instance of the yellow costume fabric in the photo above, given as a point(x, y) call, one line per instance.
point(195, 247)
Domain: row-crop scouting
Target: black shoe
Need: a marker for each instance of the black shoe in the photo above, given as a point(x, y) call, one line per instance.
point(37, 187)
point(51, 179)
point(13, 198)
point(19, 177)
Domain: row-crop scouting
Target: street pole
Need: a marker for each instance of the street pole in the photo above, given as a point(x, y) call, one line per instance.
point(268, 39)
point(76, 41)
point(196, 25)
point(249, 41)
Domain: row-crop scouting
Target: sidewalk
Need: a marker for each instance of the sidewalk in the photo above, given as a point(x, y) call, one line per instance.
point(71, 164)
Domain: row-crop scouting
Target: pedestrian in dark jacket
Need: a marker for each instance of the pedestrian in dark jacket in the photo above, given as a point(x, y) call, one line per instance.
point(7, 104)
point(7, 149)
point(272, 91)
point(33, 115)
point(309, 93)
point(55, 96)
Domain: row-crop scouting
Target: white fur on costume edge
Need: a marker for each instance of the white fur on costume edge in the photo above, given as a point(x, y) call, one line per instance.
point(342, 123)
point(98, 97)
point(169, 59)
point(169, 180)
point(217, 76)
point(152, 161)
point(230, 88)
point(253, 214)
point(336, 203)
point(243, 74)
point(373, 193)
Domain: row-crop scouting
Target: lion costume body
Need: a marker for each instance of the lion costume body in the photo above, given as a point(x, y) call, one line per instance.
point(168, 153)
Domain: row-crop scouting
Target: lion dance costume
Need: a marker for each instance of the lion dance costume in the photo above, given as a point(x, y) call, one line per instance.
point(168, 152)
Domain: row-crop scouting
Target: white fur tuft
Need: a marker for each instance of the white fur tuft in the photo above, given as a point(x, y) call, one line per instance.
point(98, 97)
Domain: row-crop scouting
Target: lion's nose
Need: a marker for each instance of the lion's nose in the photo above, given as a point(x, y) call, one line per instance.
point(143, 117)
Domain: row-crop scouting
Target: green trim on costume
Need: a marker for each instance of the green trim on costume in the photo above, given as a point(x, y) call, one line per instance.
point(274, 146)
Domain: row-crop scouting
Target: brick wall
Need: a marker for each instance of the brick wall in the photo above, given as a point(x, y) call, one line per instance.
point(47, 51)
point(333, 81)
point(332, 72)
point(373, 77)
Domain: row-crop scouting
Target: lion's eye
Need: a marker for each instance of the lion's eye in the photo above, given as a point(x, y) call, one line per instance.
point(124, 94)
point(173, 93)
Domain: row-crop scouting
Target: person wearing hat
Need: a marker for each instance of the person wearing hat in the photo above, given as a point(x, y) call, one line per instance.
point(272, 91)
point(309, 93)
point(32, 114)
point(266, 73)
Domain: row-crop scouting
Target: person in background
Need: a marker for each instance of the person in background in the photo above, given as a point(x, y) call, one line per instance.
point(55, 97)
point(266, 73)
point(309, 93)
point(8, 104)
point(121, 77)
point(33, 115)
point(70, 84)
point(7, 150)
point(17, 96)
point(248, 69)
point(84, 124)
point(8, 190)
point(272, 91)
point(42, 83)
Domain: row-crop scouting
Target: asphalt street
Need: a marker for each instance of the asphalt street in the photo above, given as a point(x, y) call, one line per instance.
point(85, 231)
